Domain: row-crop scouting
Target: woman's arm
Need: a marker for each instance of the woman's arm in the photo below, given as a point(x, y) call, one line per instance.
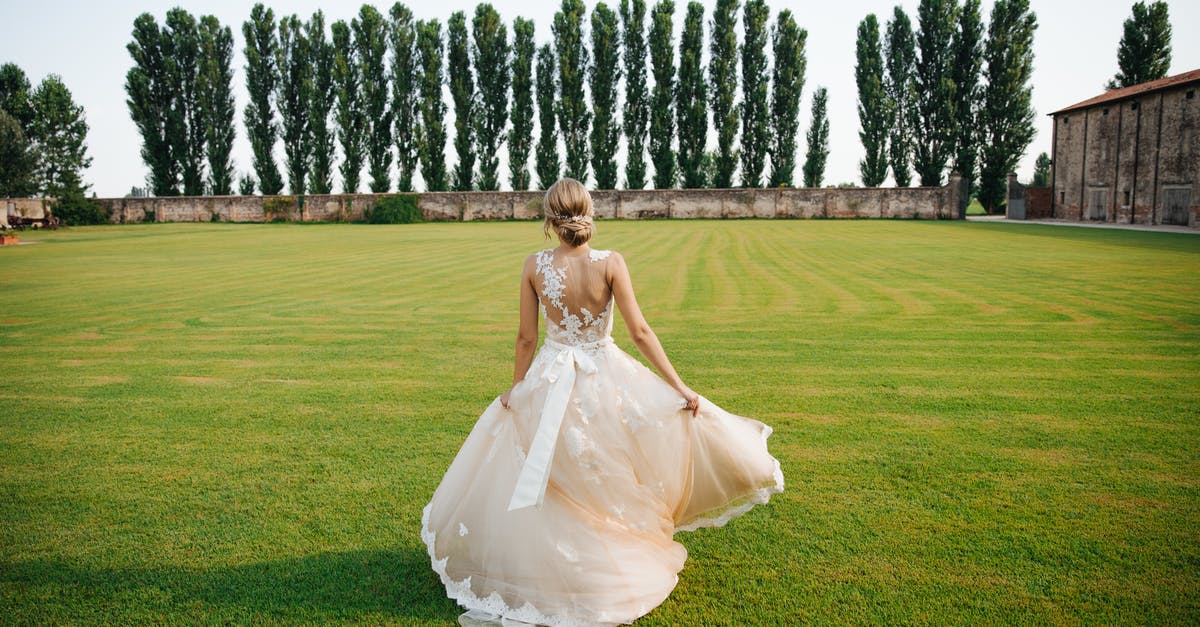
point(526, 330)
point(641, 333)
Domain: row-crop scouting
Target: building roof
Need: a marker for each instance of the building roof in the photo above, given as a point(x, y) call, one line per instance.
point(1113, 95)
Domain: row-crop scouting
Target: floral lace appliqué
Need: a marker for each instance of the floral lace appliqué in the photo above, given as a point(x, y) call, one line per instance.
point(572, 328)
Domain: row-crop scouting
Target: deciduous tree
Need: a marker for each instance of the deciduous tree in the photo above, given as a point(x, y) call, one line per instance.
point(185, 125)
point(818, 141)
point(755, 119)
point(722, 83)
point(874, 106)
point(1145, 50)
point(787, 83)
point(574, 119)
point(691, 102)
point(520, 137)
point(348, 114)
point(1007, 115)
point(18, 161)
point(637, 106)
point(547, 159)
point(150, 96)
point(462, 93)
point(902, 95)
point(662, 119)
point(60, 135)
point(933, 139)
point(371, 43)
point(322, 97)
point(403, 39)
point(490, 56)
point(215, 85)
point(603, 77)
point(968, 59)
point(261, 76)
point(431, 140)
point(292, 94)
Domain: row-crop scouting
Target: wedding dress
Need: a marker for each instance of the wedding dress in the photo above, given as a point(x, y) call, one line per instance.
point(560, 509)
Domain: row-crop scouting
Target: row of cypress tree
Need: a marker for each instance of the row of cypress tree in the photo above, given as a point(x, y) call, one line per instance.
point(947, 95)
point(373, 87)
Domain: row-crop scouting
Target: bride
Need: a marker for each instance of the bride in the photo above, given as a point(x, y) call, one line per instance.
point(561, 506)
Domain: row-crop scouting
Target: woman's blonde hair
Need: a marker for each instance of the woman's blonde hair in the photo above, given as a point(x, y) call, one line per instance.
point(568, 207)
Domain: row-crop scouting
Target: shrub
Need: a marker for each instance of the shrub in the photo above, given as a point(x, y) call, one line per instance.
point(279, 208)
point(75, 209)
point(400, 209)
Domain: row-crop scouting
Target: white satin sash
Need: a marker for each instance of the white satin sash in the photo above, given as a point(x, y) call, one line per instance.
point(535, 473)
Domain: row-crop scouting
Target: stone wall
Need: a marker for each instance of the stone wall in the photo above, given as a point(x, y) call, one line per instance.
point(930, 203)
point(23, 207)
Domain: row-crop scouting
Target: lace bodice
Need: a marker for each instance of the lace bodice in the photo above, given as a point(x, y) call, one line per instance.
point(574, 297)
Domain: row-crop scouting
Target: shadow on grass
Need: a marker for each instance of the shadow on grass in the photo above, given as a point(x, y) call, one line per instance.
point(376, 585)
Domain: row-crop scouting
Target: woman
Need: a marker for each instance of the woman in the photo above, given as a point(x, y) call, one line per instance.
point(561, 505)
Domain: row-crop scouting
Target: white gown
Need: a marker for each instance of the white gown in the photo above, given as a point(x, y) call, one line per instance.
point(561, 509)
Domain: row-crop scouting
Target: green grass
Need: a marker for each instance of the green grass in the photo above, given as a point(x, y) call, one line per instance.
point(975, 208)
point(979, 423)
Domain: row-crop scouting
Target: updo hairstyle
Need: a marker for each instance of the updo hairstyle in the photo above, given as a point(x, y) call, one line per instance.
point(568, 208)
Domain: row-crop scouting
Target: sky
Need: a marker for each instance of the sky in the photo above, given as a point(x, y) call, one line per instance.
point(84, 42)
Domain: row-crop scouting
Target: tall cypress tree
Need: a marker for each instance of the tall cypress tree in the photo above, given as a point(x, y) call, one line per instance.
point(604, 75)
point(818, 141)
point(787, 83)
point(573, 115)
point(1145, 50)
point(186, 126)
point(722, 77)
point(662, 121)
point(548, 163)
point(349, 113)
point(462, 93)
point(292, 93)
point(371, 43)
point(902, 95)
point(403, 38)
point(321, 99)
point(215, 84)
point(1041, 171)
point(933, 140)
point(490, 56)
point(691, 106)
point(968, 55)
point(150, 93)
point(637, 113)
point(755, 122)
point(431, 140)
point(261, 73)
point(1007, 115)
point(874, 111)
point(520, 138)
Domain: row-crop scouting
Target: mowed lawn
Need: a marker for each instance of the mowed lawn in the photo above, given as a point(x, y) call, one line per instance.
point(979, 423)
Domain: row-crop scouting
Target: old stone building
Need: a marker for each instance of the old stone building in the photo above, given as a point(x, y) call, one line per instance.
point(1130, 155)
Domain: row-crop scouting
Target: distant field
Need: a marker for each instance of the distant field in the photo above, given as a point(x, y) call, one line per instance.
point(979, 423)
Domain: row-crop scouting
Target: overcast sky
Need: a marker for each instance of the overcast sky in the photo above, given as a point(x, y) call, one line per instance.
point(84, 42)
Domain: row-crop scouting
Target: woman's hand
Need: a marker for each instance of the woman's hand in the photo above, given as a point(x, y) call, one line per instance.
point(505, 397)
point(691, 399)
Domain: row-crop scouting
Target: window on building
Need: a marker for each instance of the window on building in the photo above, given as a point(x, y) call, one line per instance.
point(1191, 93)
point(1066, 120)
point(1133, 107)
point(1125, 198)
point(1062, 197)
point(1104, 111)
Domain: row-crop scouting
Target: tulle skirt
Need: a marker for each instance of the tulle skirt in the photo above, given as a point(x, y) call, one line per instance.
point(628, 467)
